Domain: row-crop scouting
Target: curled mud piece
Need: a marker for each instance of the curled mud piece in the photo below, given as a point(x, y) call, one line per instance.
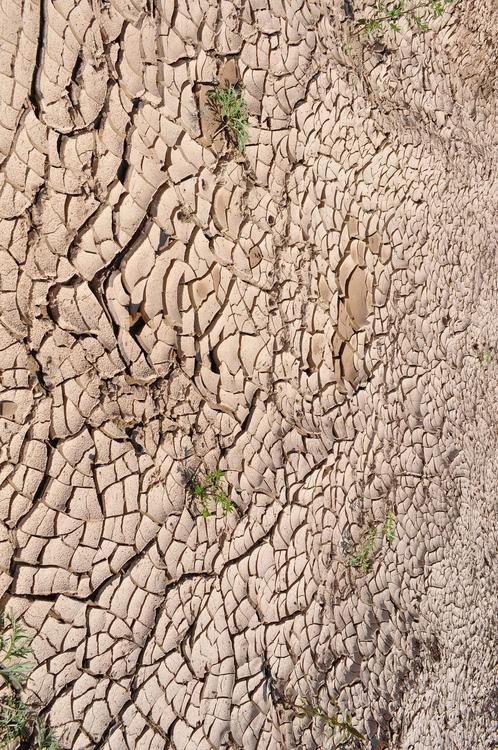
point(314, 317)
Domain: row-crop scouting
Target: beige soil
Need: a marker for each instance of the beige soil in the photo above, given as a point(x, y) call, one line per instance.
point(317, 318)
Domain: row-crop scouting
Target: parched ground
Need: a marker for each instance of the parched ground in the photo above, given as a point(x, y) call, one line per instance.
point(317, 318)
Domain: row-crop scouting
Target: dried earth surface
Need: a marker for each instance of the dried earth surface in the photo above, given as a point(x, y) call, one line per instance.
point(316, 317)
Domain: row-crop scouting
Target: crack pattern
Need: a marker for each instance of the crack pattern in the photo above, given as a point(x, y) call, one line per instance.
point(309, 317)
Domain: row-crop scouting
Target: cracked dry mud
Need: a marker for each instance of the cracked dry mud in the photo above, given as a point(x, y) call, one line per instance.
point(317, 318)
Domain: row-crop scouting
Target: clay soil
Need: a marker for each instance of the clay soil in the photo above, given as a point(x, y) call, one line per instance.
point(316, 317)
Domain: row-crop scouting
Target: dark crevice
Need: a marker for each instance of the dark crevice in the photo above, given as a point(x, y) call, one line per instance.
point(137, 327)
point(34, 96)
point(38, 372)
point(130, 432)
point(162, 240)
point(122, 170)
point(76, 69)
point(213, 362)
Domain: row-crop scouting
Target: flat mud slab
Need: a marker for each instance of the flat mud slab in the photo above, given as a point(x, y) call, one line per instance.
point(315, 317)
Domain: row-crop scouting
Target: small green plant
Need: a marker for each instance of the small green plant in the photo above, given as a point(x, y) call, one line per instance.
point(387, 16)
point(206, 490)
point(13, 720)
point(486, 357)
point(339, 721)
point(388, 528)
point(17, 721)
point(362, 558)
point(45, 738)
point(14, 652)
point(230, 108)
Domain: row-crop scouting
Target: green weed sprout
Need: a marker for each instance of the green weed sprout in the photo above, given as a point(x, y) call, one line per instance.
point(17, 721)
point(206, 490)
point(340, 721)
point(13, 720)
point(230, 108)
point(388, 16)
point(388, 528)
point(14, 652)
point(45, 738)
point(362, 558)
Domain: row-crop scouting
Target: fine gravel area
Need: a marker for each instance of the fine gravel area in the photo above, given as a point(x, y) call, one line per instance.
point(249, 391)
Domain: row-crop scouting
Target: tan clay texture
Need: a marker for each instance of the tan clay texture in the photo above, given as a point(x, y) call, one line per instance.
point(317, 317)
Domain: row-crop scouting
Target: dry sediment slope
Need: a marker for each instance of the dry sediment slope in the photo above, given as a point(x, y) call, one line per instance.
point(316, 318)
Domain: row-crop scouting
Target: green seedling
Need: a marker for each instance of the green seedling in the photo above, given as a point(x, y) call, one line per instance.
point(206, 490)
point(388, 16)
point(388, 528)
point(362, 558)
point(14, 652)
point(45, 738)
point(339, 721)
point(230, 108)
point(17, 721)
point(14, 720)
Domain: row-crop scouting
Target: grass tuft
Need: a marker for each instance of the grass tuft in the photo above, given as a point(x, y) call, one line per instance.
point(14, 652)
point(208, 489)
point(13, 720)
point(17, 721)
point(45, 738)
point(230, 108)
